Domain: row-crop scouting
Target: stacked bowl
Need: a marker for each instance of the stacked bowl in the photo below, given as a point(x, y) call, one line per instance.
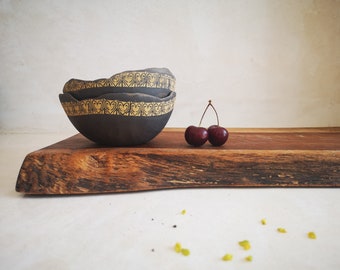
point(130, 108)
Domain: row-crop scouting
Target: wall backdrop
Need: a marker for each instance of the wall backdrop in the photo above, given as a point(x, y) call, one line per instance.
point(263, 63)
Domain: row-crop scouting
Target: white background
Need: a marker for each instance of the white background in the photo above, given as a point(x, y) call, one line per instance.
point(263, 63)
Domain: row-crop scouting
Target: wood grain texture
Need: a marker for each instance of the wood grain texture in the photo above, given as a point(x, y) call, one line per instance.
point(250, 158)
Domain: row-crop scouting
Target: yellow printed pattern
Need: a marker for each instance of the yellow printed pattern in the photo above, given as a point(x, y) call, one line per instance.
point(125, 79)
point(117, 107)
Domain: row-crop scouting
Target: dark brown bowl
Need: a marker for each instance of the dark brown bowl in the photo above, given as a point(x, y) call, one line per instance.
point(157, 82)
point(119, 119)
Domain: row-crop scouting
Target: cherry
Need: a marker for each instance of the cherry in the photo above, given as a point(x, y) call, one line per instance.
point(216, 134)
point(196, 136)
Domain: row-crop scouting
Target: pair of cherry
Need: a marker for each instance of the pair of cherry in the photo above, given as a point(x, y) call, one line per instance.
point(215, 134)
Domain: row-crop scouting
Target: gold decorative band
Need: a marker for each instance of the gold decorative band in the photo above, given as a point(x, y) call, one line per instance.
point(125, 79)
point(117, 107)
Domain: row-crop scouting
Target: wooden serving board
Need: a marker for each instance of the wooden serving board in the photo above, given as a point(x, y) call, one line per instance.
point(250, 158)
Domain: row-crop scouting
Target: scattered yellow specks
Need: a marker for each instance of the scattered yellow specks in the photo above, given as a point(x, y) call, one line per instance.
point(185, 251)
point(249, 258)
point(183, 212)
point(227, 257)
point(311, 235)
point(281, 230)
point(263, 221)
point(178, 247)
point(245, 244)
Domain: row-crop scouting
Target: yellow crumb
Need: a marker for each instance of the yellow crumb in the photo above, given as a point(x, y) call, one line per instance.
point(227, 257)
point(281, 230)
point(245, 244)
point(312, 235)
point(264, 221)
point(185, 251)
point(183, 212)
point(249, 258)
point(178, 247)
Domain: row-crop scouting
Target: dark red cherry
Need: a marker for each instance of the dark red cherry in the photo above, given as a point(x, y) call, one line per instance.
point(196, 136)
point(217, 135)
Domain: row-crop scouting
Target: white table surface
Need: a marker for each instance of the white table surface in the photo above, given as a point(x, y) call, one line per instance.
point(136, 230)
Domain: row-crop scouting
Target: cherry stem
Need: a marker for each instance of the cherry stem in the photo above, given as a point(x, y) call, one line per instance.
point(206, 108)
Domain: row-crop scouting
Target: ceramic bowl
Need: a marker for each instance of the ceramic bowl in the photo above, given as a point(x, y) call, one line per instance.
point(119, 119)
point(157, 82)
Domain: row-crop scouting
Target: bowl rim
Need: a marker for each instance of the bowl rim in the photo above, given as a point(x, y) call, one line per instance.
point(117, 107)
point(148, 78)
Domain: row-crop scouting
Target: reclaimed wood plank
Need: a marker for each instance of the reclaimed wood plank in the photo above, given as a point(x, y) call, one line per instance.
point(250, 158)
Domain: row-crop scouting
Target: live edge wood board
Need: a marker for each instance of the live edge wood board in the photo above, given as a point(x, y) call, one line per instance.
point(250, 158)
